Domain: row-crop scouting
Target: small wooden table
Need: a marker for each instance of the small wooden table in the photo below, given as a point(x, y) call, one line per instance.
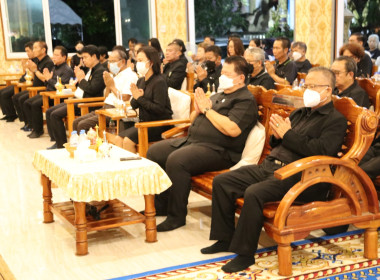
point(114, 114)
point(102, 180)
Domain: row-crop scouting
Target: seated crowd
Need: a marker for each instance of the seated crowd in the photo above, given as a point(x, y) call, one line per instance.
point(220, 123)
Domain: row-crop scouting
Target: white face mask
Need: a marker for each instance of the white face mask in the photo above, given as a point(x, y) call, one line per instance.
point(296, 56)
point(114, 68)
point(225, 82)
point(312, 98)
point(141, 68)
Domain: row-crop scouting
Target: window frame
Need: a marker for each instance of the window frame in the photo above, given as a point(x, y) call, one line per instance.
point(47, 27)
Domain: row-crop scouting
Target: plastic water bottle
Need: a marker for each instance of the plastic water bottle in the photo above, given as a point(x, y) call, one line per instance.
point(302, 82)
point(82, 136)
point(295, 84)
point(111, 127)
point(74, 139)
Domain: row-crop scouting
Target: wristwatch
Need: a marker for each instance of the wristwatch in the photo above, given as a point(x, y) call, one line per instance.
point(206, 110)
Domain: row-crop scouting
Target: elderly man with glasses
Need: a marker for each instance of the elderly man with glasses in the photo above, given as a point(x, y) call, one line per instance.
point(316, 129)
point(345, 68)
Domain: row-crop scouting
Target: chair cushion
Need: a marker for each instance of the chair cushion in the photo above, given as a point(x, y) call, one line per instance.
point(180, 103)
point(253, 147)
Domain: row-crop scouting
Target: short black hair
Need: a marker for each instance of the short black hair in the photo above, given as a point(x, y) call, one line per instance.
point(103, 51)
point(349, 64)
point(62, 49)
point(360, 37)
point(29, 45)
point(257, 42)
point(79, 42)
point(215, 49)
point(132, 40)
point(91, 50)
point(211, 38)
point(180, 43)
point(241, 66)
point(121, 48)
point(285, 42)
point(152, 54)
point(43, 45)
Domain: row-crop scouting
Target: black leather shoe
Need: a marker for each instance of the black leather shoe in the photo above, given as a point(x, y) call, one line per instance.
point(35, 134)
point(11, 118)
point(169, 225)
point(52, 147)
point(4, 118)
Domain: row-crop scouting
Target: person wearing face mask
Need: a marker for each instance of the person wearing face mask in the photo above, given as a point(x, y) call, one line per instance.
point(256, 59)
point(150, 97)
point(345, 69)
point(317, 129)
point(219, 128)
point(373, 44)
point(298, 50)
point(209, 75)
point(116, 87)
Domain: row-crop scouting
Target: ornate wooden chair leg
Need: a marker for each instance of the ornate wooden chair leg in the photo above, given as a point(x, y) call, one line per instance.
point(47, 195)
point(150, 219)
point(81, 228)
point(370, 243)
point(284, 252)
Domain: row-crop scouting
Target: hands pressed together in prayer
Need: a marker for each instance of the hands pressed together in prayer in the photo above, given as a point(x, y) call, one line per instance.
point(136, 92)
point(47, 74)
point(79, 73)
point(108, 80)
point(279, 125)
point(31, 65)
point(269, 67)
point(201, 102)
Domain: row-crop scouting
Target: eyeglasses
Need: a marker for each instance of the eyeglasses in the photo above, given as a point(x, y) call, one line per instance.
point(306, 86)
point(337, 73)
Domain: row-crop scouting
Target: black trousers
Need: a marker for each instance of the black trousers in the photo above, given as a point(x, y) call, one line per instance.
point(371, 161)
point(6, 102)
point(86, 122)
point(55, 124)
point(32, 109)
point(257, 185)
point(180, 163)
point(18, 101)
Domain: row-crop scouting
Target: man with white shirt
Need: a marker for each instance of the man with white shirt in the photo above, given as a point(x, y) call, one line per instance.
point(115, 86)
point(89, 85)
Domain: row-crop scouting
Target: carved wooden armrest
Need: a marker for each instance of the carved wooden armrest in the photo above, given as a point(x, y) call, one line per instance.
point(92, 104)
point(160, 123)
point(175, 130)
point(316, 169)
point(36, 88)
point(84, 100)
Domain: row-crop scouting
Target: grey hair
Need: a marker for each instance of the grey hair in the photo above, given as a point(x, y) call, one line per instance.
point(300, 45)
point(326, 72)
point(257, 53)
point(122, 55)
point(374, 36)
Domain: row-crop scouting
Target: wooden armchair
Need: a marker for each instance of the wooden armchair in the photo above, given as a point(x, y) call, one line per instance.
point(71, 102)
point(33, 91)
point(354, 199)
point(281, 86)
point(373, 91)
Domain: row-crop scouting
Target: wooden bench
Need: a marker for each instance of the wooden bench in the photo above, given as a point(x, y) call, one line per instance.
point(353, 200)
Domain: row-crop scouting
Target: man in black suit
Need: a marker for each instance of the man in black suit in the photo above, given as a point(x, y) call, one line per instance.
point(32, 107)
point(6, 94)
point(89, 85)
point(43, 62)
point(175, 68)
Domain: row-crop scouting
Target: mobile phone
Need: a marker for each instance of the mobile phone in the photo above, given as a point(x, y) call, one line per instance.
point(129, 158)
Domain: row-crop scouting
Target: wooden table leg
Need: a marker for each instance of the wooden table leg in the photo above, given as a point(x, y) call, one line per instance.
point(102, 124)
point(47, 195)
point(81, 228)
point(150, 219)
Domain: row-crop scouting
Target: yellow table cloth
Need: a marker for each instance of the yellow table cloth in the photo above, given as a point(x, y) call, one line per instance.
point(102, 179)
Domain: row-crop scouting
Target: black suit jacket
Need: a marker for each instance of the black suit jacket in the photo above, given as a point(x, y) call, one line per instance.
point(95, 85)
point(174, 73)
